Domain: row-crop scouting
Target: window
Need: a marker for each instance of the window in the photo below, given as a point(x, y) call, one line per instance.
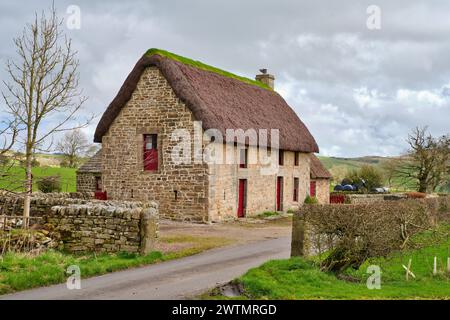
point(295, 198)
point(296, 156)
point(243, 158)
point(150, 152)
point(98, 183)
point(280, 157)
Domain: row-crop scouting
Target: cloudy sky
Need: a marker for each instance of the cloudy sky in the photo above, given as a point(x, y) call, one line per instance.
point(358, 90)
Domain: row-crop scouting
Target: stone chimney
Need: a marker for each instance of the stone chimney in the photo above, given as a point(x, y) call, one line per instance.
point(267, 79)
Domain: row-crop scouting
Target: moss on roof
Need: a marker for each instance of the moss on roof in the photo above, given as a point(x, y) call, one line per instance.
point(203, 66)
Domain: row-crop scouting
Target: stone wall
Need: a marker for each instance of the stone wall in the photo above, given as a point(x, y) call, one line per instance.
point(86, 181)
point(261, 188)
point(365, 198)
point(323, 190)
point(41, 203)
point(85, 224)
point(181, 190)
point(105, 226)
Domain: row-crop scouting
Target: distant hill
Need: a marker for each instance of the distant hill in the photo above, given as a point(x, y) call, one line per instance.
point(351, 163)
point(332, 163)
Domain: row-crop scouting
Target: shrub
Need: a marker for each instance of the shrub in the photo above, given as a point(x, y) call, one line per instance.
point(311, 200)
point(35, 163)
point(353, 233)
point(4, 160)
point(49, 184)
point(346, 181)
point(372, 176)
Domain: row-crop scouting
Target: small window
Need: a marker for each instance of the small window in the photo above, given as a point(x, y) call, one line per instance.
point(295, 198)
point(98, 183)
point(296, 156)
point(150, 152)
point(280, 157)
point(243, 158)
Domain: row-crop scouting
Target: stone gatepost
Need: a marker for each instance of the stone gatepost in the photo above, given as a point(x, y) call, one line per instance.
point(298, 244)
point(149, 229)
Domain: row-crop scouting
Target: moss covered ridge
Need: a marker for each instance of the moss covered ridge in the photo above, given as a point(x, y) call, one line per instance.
point(203, 66)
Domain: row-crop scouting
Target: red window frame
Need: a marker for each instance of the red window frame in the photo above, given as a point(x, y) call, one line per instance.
point(150, 152)
point(296, 184)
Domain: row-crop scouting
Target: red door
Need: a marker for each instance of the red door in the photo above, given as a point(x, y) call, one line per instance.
point(150, 152)
point(312, 188)
point(279, 193)
point(242, 198)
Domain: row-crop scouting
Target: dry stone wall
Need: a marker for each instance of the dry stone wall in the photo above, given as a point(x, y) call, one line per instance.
point(84, 224)
point(106, 227)
point(41, 203)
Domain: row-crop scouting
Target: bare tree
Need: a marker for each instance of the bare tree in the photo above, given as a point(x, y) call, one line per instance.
point(73, 145)
point(427, 161)
point(42, 92)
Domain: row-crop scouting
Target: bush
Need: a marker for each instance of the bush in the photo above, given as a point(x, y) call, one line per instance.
point(353, 233)
point(365, 178)
point(35, 163)
point(346, 181)
point(311, 200)
point(49, 184)
point(372, 176)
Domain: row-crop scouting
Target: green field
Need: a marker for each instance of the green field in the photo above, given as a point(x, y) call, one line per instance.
point(299, 278)
point(16, 176)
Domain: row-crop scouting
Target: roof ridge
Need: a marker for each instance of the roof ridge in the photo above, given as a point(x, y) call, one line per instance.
point(203, 66)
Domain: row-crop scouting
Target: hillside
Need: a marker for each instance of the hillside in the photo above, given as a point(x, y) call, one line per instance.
point(351, 163)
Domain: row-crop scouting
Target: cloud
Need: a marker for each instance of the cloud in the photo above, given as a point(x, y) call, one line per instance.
point(359, 91)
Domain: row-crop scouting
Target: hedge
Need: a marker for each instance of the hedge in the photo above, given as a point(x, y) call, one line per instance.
point(353, 233)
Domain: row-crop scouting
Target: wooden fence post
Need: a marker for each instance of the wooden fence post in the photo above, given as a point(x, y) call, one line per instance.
point(298, 243)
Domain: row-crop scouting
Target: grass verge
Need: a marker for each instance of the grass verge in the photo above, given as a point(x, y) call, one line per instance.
point(19, 271)
point(299, 278)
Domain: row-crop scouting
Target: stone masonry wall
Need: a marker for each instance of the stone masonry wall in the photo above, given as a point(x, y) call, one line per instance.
point(106, 226)
point(261, 188)
point(181, 190)
point(41, 203)
point(323, 190)
point(85, 224)
point(86, 181)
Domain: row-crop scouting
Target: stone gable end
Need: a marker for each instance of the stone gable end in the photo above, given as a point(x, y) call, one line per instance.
point(181, 190)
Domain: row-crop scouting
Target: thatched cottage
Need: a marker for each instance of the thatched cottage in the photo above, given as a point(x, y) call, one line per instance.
point(166, 93)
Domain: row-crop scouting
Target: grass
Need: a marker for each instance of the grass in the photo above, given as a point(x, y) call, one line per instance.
point(203, 66)
point(299, 278)
point(19, 271)
point(267, 214)
point(17, 176)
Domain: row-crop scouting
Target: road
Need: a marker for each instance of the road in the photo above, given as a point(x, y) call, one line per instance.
point(175, 279)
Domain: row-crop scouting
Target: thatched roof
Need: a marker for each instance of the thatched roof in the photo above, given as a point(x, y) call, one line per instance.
point(219, 101)
point(93, 165)
point(318, 171)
